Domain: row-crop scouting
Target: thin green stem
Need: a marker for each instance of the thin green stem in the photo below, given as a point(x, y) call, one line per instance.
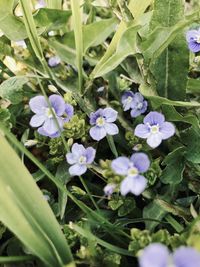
point(13, 259)
point(88, 192)
point(177, 226)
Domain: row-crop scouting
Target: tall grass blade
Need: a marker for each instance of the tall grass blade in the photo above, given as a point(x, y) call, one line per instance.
point(25, 212)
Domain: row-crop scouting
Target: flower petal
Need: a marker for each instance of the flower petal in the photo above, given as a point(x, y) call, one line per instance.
point(126, 186)
point(77, 169)
point(120, 165)
point(90, 154)
point(37, 120)
point(167, 130)
point(126, 101)
point(78, 150)
point(50, 126)
point(142, 131)
point(154, 255)
point(139, 184)
point(94, 116)
point(135, 112)
point(154, 118)
point(186, 257)
point(38, 104)
point(110, 114)
point(194, 46)
point(97, 133)
point(54, 61)
point(111, 128)
point(41, 131)
point(69, 112)
point(71, 158)
point(140, 161)
point(58, 104)
point(190, 35)
point(154, 140)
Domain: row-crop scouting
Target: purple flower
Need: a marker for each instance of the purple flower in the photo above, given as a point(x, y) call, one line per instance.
point(131, 169)
point(155, 129)
point(44, 118)
point(193, 39)
point(103, 120)
point(135, 102)
point(127, 99)
point(138, 106)
point(157, 255)
point(54, 61)
point(79, 158)
point(69, 112)
point(109, 189)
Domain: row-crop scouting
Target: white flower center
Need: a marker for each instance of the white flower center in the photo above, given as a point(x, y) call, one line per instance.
point(197, 39)
point(170, 262)
point(139, 105)
point(48, 112)
point(133, 172)
point(154, 129)
point(129, 99)
point(100, 121)
point(82, 160)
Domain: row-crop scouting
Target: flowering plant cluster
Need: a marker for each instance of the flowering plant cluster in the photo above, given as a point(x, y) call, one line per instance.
point(100, 130)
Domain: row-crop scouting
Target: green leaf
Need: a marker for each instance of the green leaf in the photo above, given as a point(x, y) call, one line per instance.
point(158, 101)
point(193, 86)
point(173, 172)
point(126, 46)
point(138, 7)
point(11, 89)
point(25, 212)
point(172, 115)
point(97, 32)
point(53, 19)
point(169, 69)
point(63, 175)
point(153, 211)
point(191, 139)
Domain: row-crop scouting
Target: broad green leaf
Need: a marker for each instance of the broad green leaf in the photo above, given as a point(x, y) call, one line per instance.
point(25, 212)
point(5, 48)
point(136, 12)
point(153, 211)
point(158, 101)
point(169, 69)
point(172, 115)
point(191, 139)
point(97, 32)
point(193, 86)
point(93, 35)
point(53, 19)
point(175, 164)
point(138, 7)
point(126, 46)
point(11, 89)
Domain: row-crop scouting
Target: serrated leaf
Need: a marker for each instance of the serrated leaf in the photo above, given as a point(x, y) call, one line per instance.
point(11, 89)
point(173, 172)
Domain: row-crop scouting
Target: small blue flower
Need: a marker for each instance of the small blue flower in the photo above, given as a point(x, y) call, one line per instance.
point(131, 169)
point(103, 120)
point(44, 118)
point(127, 100)
point(155, 129)
point(157, 255)
point(138, 106)
point(40, 4)
point(193, 39)
point(79, 158)
point(54, 61)
point(135, 102)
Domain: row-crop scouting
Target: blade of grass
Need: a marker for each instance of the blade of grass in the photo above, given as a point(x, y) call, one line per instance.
point(77, 24)
point(13, 259)
point(24, 211)
point(54, 4)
